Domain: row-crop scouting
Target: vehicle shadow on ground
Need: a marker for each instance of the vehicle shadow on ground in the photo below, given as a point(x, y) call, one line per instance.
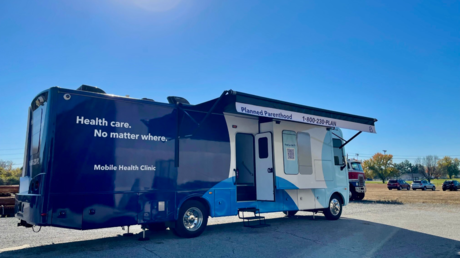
point(298, 236)
point(379, 202)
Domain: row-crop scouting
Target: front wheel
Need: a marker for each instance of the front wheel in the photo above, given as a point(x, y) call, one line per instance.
point(334, 211)
point(399, 188)
point(408, 188)
point(424, 188)
point(359, 196)
point(434, 188)
point(192, 219)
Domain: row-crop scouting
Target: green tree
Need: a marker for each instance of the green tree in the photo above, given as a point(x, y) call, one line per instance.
point(381, 166)
point(449, 166)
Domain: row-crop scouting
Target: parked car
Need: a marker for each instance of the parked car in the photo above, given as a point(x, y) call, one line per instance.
point(398, 184)
point(423, 184)
point(452, 185)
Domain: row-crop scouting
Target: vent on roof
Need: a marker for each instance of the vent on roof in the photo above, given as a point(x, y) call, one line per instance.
point(177, 100)
point(148, 99)
point(90, 89)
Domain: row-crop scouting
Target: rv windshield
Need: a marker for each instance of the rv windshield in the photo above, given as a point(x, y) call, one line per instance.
point(356, 166)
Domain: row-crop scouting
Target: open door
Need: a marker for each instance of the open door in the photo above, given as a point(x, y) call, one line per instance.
point(265, 174)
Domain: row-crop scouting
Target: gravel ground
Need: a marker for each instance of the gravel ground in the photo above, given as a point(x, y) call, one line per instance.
point(365, 230)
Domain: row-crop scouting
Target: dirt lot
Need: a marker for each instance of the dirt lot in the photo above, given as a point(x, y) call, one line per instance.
point(380, 194)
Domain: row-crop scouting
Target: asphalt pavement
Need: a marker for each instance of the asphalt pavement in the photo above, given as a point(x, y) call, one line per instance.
point(365, 230)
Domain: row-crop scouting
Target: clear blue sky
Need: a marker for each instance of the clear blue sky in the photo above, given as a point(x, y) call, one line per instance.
point(397, 61)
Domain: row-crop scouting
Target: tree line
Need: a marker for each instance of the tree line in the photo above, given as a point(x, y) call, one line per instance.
point(381, 166)
point(8, 174)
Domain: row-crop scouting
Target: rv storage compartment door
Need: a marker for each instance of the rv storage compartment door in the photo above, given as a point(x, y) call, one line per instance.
point(265, 174)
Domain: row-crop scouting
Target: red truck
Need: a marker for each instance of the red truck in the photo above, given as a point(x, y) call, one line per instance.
point(356, 179)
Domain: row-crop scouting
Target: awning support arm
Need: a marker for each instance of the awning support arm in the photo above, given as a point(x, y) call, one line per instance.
point(346, 142)
point(209, 113)
point(339, 137)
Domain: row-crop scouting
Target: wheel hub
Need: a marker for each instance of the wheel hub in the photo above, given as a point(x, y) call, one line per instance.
point(334, 207)
point(193, 218)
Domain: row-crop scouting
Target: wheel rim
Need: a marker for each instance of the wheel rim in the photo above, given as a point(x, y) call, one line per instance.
point(334, 207)
point(193, 218)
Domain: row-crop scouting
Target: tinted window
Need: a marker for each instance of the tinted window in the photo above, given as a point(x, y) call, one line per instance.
point(263, 148)
point(417, 182)
point(338, 153)
point(392, 181)
point(305, 159)
point(291, 165)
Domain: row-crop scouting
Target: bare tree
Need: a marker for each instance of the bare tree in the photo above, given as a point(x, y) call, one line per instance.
point(430, 164)
point(8, 165)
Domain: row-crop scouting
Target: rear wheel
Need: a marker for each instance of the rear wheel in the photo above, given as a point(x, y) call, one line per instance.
point(290, 213)
point(334, 211)
point(414, 189)
point(192, 219)
point(390, 189)
point(408, 188)
point(399, 188)
point(424, 188)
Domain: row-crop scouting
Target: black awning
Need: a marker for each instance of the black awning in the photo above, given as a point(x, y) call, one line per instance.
point(243, 103)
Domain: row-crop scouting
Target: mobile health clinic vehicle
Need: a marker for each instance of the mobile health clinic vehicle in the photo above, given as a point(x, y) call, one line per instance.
point(95, 160)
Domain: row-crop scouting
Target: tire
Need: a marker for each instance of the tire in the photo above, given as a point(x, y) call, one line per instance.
point(414, 189)
point(157, 226)
point(290, 213)
point(334, 211)
point(434, 188)
point(444, 189)
point(360, 196)
point(399, 188)
point(390, 189)
point(352, 192)
point(192, 219)
point(424, 188)
point(408, 188)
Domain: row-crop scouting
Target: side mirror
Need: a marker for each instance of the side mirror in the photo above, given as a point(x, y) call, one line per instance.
point(344, 164)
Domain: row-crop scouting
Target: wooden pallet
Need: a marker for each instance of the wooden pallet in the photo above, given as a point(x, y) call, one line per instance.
point(4, 189)
point(7, 200)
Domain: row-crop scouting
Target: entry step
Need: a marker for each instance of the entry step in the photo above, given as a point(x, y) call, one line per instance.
point(259, 220)
point(255, 217)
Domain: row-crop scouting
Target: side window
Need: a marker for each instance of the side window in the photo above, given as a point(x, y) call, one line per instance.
point(338, 153)
point(291, 166)
point(305, 159)
point(263, 148)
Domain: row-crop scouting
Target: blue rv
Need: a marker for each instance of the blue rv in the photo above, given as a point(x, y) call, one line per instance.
point(95, 160)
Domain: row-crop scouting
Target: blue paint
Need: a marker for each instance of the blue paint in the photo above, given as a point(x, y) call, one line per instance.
point(106, 161)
